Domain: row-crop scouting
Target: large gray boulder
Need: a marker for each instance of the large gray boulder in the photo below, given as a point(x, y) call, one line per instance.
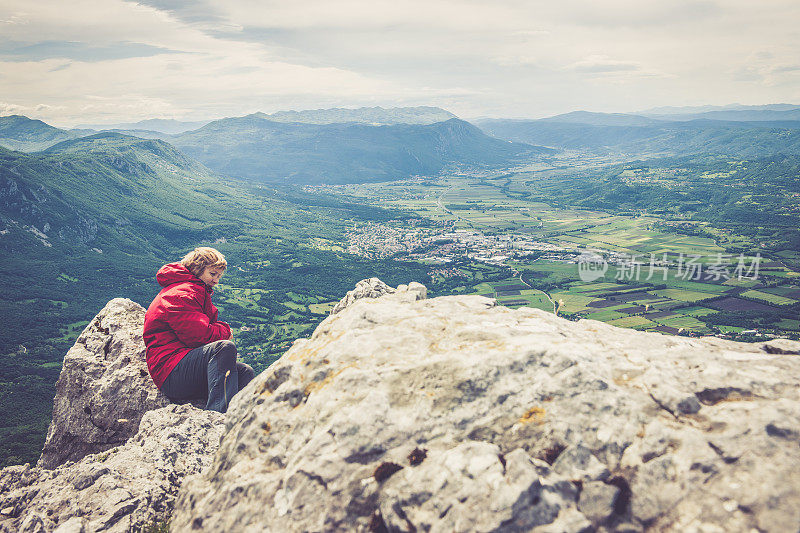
point(104, 387)
point(126, 488)
point(117, 451)
point(454, 414)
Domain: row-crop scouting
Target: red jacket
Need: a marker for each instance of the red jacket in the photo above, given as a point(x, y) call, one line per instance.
point(180, 318)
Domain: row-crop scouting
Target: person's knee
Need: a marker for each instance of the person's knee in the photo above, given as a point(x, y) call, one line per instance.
point(225, 351)
point(226, 345)
point(246, 372)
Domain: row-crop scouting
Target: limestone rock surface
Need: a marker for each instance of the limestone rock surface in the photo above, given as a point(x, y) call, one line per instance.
point(366, 288)
point(454, 414)
point(123, 489)
point(375, 288)
point(104, 387)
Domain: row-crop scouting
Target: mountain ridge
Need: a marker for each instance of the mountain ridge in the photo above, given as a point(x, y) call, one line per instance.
point(256, 148)
point(20, 133)
point(606, 135)
point(601, 119)
point(365, 115)
point(160, 125)
point(706, 108)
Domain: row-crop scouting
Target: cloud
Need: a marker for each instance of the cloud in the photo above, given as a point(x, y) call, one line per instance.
point(517, 60)
point(375, 15)
point(637, 14)
point(191, 11)
point(78, 51)
point(786, 68)
point(602, 64)
point(201, 58)
point(7, 108)
point(13, 19)
point(767, 67)
point(530, 33)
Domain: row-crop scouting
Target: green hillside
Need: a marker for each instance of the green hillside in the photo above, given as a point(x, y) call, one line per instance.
point(625, 134)
point(259, 149)
point(110, 191)
point(28, 135)
point(755, 198)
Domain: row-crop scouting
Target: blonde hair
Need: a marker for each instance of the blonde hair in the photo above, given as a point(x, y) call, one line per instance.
point(203, 257)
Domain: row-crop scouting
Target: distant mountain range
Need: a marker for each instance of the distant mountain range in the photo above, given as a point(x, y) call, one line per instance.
point(743, 133)
point(600, 119)
point(734, 115)
point(689, 110)
point(365, 115)
point(331, 146)
point(375, 144)
point(257, 148)
point(159, 125)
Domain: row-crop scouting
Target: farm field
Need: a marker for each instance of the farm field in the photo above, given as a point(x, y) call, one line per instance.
point(695, 298)
point(472, 203)
point(768, 297)
point(643, 307)
point(788, 290)
point(639, 306)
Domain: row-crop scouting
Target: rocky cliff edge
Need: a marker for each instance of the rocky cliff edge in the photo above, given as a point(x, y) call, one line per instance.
point(402, 413)
point(116, 451)
point(454, 414)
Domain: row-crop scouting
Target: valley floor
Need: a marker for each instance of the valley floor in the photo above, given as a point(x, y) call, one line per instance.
point(653, 273)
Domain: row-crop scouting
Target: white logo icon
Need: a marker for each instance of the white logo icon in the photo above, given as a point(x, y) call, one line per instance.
point(591, 266)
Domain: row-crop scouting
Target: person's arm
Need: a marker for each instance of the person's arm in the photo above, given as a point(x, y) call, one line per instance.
point(184, 314)
point(215, 314)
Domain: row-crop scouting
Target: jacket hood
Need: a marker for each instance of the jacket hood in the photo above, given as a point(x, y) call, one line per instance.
point(175, 273)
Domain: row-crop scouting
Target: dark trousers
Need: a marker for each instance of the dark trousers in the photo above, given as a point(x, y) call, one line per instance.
point(211, 372)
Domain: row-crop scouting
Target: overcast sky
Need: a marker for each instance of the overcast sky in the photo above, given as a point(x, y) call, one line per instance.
point(103, 61)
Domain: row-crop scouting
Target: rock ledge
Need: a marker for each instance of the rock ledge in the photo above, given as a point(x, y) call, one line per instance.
point(454, 414)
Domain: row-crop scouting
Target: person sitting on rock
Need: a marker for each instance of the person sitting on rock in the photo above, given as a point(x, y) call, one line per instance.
point(189, 352)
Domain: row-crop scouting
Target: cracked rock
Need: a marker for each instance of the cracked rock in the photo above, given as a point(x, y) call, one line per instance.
point(103, 389)
point(578, 463)
point(367, 288)
point(597, 500)
point(493, 395)
point(467, 488)
point(127, 488)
